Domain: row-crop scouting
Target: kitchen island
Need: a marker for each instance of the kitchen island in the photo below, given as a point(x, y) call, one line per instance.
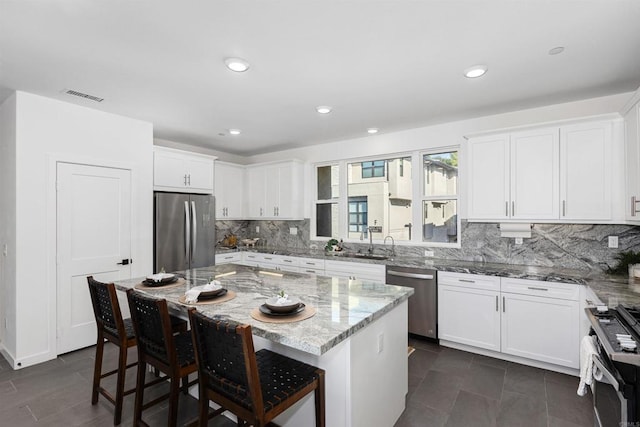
point(358, 336)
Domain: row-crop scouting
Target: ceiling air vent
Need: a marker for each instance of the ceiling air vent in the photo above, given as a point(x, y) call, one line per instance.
point(83, 95)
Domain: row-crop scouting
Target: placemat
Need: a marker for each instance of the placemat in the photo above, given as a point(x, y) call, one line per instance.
point(178, 282)
point(228, 296)
point(308, 312)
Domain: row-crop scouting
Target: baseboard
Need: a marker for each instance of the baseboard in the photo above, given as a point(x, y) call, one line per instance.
point(8, 356)
point(27, 361)
point(510, 358)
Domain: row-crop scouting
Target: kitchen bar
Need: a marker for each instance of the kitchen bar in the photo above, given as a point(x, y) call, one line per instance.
point(358, 335)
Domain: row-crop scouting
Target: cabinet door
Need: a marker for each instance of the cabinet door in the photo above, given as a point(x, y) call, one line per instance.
point(200, 174)
point(229, 182)
point(469, 316)
point(632, 156)
point(543, 329)
point(169, 170)
point(256, 187)
point(272, 191)
point(585, 156)
point(535, 174)
point(285, 192)
point(489, 177)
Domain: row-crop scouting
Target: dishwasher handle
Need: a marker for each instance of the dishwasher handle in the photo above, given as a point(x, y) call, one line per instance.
point(410, 275)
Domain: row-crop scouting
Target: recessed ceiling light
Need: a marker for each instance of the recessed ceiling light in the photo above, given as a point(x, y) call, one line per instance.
point(323, 109)
point(238, 65)
point(475, 71)
point(234, 131)
point(372, 130)
point(556, 50)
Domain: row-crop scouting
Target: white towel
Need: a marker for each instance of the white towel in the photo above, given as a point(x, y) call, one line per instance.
point(588, 370)
point(192, 294)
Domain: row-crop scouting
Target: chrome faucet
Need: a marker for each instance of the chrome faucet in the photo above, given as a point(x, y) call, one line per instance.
point(370, 250)
point(393, 245)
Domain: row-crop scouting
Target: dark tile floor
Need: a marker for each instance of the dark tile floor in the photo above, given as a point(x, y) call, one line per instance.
point(454, 388)
point(446, 388)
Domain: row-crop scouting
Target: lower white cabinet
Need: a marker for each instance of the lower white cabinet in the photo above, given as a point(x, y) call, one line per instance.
point(355, 270)
point(525, 318)
point(228, 258)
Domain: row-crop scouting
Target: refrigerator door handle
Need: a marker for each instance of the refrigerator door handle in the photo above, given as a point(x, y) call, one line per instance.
point(194, 229)
point(187, 230)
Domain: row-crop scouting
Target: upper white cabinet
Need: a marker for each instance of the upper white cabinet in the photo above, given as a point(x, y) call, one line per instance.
point(560, 174)
point(632, 158)
point(274, 191)
point(182, 171)
point(229, 185)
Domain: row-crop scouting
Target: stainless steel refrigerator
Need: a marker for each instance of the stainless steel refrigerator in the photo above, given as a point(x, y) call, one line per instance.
point(184, 231)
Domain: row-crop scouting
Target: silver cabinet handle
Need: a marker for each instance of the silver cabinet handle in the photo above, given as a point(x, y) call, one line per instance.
point(564, 208)
point(497, 309)
point(634, 205)
point(287, 260)
point(194, 228)
point(185, 180)
point(189, 180)
point(466, 281)
point(533, 288)
point(513, 208)
point(504, 305)
point(410, 275)
point(269, 258)
point(260, 211)
point(506, 208)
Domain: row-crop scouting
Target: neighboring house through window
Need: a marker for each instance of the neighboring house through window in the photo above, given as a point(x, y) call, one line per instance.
point(357, 214)
point(373, 169)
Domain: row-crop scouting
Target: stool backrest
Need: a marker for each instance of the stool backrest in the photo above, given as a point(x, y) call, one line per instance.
point(152, 324)
point(226, 359)
point(106, 308)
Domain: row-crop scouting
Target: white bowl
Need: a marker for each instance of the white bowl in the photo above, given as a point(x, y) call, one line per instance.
point(161, 277)
point(291, 304)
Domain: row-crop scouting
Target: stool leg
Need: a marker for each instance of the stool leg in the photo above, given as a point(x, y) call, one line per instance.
point(97, 368)
point(203, 403)
point(122, 372)
point(319, 397)
point(140, 379)
point(185, 384)
point(174, 396)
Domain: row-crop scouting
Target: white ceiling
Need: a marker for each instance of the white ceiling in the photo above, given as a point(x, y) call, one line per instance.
point(386, 64)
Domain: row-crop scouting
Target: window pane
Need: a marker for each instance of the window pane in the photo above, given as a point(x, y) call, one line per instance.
point(441, 174)
point(326, 219)
point(328, 182)
point(386, 191)
point(440, 222)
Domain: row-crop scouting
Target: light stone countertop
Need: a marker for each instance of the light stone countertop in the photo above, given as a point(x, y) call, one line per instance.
point(343, 306)
point(612, 290)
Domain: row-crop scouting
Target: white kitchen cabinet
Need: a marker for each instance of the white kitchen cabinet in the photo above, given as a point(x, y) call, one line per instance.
point(355, 270)
point(585, 162)
point(468, 310)
point(526, 318)
point(311, 266)
point(553, 174)
point(275, 190)
point(182, 171)
point(541, 321)
point(632, 159)
point(229, 190)
point(228, 258)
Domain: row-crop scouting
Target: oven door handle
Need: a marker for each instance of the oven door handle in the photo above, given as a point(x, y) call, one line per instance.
point(600, 365)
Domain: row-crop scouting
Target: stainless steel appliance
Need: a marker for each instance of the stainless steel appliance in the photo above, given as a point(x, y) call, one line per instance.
point(423, 315)
point(184, 231)
point(616, 397)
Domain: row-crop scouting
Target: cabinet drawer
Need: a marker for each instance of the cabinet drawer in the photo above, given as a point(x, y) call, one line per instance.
point(228, 258)
point(310, 270)
point(464, 280)
point(311, 263)
point(566, 291)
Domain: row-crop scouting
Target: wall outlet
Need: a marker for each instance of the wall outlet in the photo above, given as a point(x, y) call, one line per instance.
point(613, 242)
point(380, 343)
point(519, 240)
point(428, 253)
point(257, 228)
point(293, 231)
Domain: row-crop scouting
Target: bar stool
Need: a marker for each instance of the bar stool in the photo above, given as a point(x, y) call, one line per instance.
point(159, 347)
point(256, 387)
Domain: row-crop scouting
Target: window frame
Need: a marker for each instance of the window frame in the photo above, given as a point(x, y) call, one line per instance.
point(418, 196)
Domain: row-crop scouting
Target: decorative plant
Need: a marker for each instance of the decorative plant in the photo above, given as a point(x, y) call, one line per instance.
point(329, 246)
point(625, 258)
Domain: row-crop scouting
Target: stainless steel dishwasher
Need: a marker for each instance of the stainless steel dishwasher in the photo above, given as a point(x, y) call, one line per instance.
point(423, 314)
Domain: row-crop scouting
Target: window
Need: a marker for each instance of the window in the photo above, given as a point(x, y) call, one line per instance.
point(328, 192)
point(373, 169)
point(440, 197)
point(357, 214)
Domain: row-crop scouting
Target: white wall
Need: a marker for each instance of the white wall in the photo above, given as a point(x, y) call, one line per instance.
point(7, 221)
point(50, 131)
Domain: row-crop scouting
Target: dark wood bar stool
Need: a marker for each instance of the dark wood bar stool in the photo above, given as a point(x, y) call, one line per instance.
point(112, 327)
point(256, 387)
point(159, 347)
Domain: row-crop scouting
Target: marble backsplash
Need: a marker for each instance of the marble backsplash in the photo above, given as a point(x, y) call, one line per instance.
point(579, 246)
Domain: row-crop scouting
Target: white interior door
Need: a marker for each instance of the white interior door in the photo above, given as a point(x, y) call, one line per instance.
point(93, 238)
